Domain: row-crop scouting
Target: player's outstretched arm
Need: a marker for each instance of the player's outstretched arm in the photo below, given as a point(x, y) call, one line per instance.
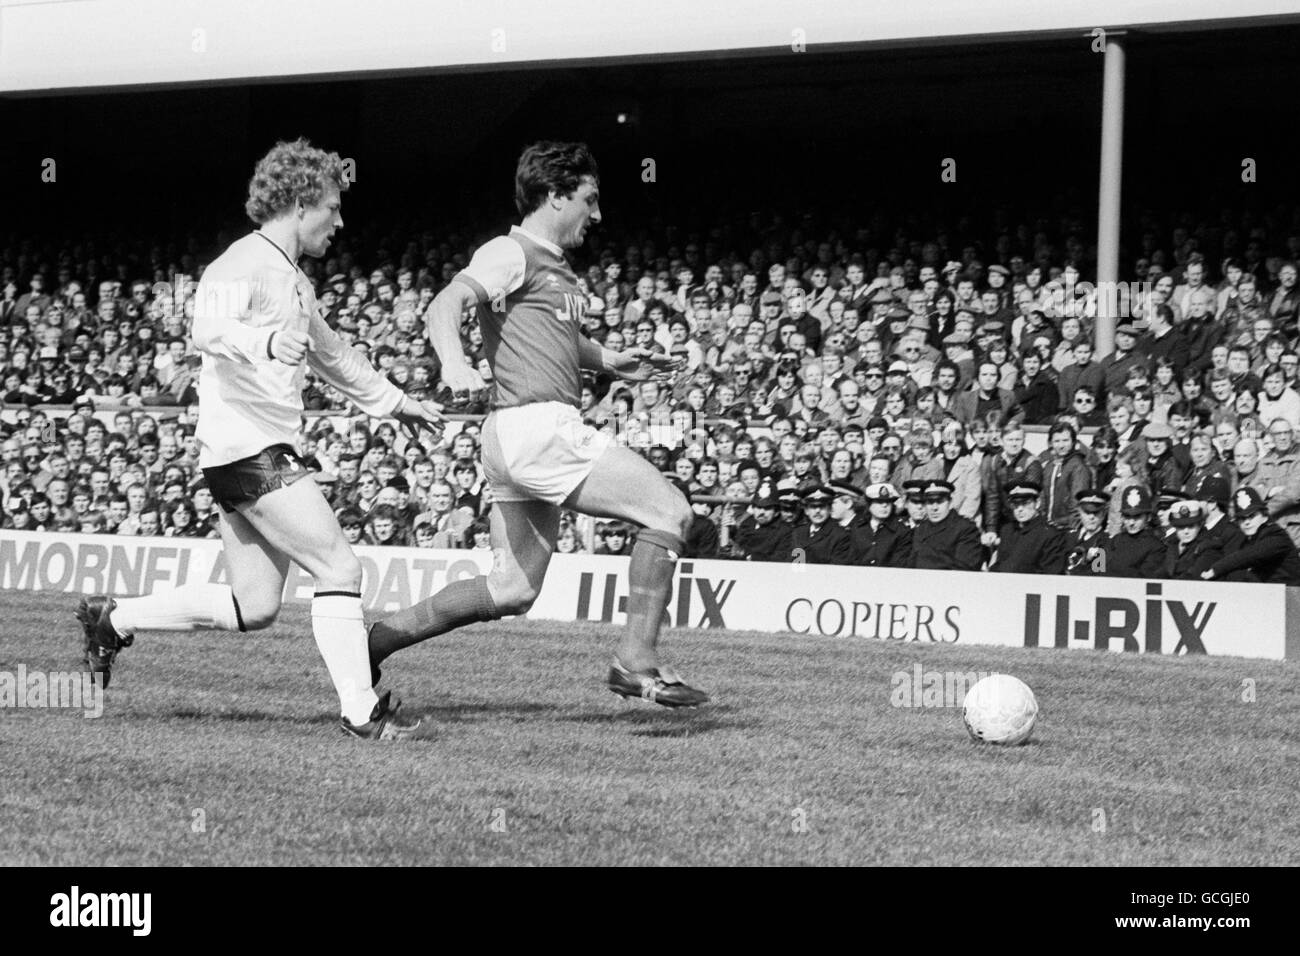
point(632, 365)
point(348, 370)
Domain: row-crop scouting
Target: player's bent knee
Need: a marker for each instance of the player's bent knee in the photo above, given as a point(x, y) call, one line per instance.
point(257, 615)
point(344, 574)
point(513, 597)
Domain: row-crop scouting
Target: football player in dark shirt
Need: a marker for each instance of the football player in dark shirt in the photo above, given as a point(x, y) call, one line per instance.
point(539, 456)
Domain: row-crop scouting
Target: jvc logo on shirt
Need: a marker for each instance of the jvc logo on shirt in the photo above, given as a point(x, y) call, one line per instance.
point(75, 909)
point(1119, 619)
point(574, 308)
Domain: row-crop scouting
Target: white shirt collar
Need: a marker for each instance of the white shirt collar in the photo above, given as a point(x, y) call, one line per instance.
point(544, 243)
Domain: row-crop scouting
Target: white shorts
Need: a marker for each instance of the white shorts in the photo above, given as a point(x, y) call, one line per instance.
point(539, 452)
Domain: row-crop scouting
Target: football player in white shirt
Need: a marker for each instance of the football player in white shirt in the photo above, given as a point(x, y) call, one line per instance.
point(258, 328)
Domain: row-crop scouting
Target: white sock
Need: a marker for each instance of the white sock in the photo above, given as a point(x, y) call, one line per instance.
point(340, 631)
point(188, 608)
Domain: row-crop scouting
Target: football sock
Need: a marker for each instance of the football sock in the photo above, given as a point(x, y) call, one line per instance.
point(340, 631)
point(187, 608)
point(650, 576)
point(461, 602)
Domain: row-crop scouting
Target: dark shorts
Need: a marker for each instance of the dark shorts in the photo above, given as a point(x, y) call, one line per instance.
point(249, 478)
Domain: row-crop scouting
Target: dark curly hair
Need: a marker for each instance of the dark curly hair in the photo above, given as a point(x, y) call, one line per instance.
point(289, 173)
point(545, 166)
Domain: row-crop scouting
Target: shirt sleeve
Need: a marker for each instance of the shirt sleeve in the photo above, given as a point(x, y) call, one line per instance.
point(348, 370)
point(497, 269)
point(222, 308)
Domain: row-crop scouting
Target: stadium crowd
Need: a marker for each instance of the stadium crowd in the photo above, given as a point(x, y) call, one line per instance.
point(857, 401)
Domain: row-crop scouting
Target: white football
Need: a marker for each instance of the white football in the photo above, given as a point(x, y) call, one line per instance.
point(1000, 709)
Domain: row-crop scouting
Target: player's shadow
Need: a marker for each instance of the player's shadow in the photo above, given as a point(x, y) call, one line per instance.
point(665, 722)
point(480, 711)
point(643, 721)
point(246, 716)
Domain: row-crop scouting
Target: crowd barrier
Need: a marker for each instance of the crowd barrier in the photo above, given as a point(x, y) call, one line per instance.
point(1011, 610)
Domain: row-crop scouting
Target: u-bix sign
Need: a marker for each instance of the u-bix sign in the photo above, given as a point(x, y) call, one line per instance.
point(1156, 617)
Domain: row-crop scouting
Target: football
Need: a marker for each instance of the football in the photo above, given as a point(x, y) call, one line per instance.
point(1000, 709)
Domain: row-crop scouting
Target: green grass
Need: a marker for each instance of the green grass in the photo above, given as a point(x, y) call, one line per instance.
point(244, 729)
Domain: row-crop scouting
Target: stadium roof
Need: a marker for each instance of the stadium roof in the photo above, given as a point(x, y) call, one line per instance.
point(88, 44)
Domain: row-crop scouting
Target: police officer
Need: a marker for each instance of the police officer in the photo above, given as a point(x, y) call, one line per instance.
point(1190, 552)
point(1215, 495)
point(914, 504)
point(947, 541)
point(1164, 504)
point(759, 536)
point(1137, 551)
point(1028, 544)
point(881, 540)
point(1087, 543)
point(789, 505)
point(1269, 553)
point(847, 508)
point(821, 540)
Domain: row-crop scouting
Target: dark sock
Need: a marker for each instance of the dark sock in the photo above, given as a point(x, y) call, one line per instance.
point(461, 602)
point(650, 575)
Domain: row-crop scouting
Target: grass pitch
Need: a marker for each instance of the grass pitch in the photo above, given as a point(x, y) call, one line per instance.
point(224, 749)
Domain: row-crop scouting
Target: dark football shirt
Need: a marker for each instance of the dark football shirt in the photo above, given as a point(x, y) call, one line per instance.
point(530, 309)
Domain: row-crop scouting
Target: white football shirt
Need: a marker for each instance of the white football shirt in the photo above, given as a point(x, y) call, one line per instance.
point(249, 401)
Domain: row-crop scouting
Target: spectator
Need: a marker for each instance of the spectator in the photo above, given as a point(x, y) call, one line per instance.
point(1189, 553)
point(1065, 475)
point(945, 540)
point(821, 540)
point(702, 539)
point(1165, 471)
point(1164, 342)
point(759, 536)
point(1206, 464)
point(847, 508)
point(1086, 409)
point(880, 539)
point(1013, 465)
point(1027, 543)
point(985, 396)
point(1035, 392)
point(1283, 308)
point(614, 540)
point(1278, 400)
point(1269, 553)
point(479, 535)
point(1215, 495)
point(1115, 367)
point(1088, 543)
point(961, 469)
point(1137, 551)
point(1278, 478)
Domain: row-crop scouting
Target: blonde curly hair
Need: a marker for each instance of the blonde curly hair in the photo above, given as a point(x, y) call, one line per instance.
point(290, 173)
